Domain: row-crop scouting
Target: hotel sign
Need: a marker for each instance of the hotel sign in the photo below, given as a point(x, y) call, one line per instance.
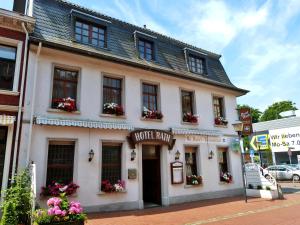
point(151, 136)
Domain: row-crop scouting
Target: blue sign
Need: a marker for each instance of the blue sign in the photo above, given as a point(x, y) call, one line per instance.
point(251, 153)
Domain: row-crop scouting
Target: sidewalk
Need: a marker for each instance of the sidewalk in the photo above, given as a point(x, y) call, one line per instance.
point(218, 211)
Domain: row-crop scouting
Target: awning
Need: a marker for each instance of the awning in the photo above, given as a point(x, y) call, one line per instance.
point(193, 131)
point(83, 123)
point(7, 120)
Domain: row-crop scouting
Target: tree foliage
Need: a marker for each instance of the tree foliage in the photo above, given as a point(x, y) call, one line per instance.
point(255, 113)
point(273, 111)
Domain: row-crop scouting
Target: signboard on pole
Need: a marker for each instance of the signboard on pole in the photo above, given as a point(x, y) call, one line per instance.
point(246, 119)
point(260, 142)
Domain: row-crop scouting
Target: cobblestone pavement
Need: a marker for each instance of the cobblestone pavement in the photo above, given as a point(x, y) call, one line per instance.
point(228, 211)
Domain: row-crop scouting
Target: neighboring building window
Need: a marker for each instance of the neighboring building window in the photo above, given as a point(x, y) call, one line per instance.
point(150, 96)
point(187, 102)
point(111, 162)
point(196, 64)
point(60, 162)
point(112, 90)
point(90, 34)
point(7, 67)
point(223, 161)
point(146, 49)
point(64, 86)
point(218, 107)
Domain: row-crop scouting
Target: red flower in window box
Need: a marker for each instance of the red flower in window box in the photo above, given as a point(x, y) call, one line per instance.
point(226, 177)
point(56, 189)
point(113, 109)
point(190, 118)
point(106, 186)
point(193, 180)
point(221, 121)
point(66, 104)
point(152, 114)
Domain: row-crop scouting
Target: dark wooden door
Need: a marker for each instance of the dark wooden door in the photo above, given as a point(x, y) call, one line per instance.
point(3, 139)
point(151, 175)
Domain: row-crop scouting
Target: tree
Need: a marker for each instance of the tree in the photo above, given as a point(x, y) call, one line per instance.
point(255, 113)
point(272, 112)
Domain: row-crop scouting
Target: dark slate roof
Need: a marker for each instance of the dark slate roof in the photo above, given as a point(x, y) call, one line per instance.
point(54, 28)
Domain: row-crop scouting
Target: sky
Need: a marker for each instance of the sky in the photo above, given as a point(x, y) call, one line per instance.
point(259, 40)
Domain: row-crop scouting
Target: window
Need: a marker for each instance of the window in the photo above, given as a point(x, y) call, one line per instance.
point(187, 102)
point(218, 107)
point(60, 161)
point(112, 90)
point(90, 34)
point(196, 64)
point(64, 85)
point(111, 162)
point(7, 67)
point(150, 96)
point(191, 161)
point(146, 49)
point(224, 165)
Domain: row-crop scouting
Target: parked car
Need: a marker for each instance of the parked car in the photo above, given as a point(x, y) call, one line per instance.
point(296, 166)
point(282, 172)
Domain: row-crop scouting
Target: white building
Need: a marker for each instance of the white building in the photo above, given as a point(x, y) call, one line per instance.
point(95, 59)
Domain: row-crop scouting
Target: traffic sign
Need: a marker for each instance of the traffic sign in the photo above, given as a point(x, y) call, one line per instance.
point(251, 153)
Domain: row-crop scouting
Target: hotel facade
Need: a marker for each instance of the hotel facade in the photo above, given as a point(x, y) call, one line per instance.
point(133, 117)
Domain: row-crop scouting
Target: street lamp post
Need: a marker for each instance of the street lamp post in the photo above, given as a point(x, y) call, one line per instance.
point(238, 127)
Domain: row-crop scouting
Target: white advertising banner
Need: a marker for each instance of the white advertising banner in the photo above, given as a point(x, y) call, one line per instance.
point(283, 139)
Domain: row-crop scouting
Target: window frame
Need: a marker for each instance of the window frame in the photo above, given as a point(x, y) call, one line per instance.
point(90, 25)
point(228, 156)
point(194, 106)
point(198, 160)
point(146, 41)
point(123, 92)
point(123, 158)
point(78, 94)
point(223, 107)
point(159, 109)
point(19, 49)
point(75, 163)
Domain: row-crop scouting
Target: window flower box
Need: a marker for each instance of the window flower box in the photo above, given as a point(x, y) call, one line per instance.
point(221, 121)
point(107, 187)
point(226, 177)
point(190, 118)
point(193, 180)
point(56, 189)
point(67, 104)
point(113, 109)
point(151, 114)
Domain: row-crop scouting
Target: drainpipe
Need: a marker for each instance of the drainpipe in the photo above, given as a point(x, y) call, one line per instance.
point(20, 101)
point(33, 102)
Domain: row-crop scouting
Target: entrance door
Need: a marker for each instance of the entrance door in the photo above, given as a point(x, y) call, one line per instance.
point(151, 175)
point(3, 138)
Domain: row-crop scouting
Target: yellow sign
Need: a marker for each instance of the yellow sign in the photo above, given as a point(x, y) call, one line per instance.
point(260, 142)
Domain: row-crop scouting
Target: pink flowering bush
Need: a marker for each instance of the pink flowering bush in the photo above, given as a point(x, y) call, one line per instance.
point(60, 210)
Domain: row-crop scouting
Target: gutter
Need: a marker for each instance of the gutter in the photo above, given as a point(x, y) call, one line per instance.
point(33, 102)
point(143, 66)
point(20, 102)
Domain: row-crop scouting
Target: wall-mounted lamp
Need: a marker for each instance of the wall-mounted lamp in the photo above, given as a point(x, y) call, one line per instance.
point(91, 155)
point(177, 155)
point(132, 155)
point(211, 154)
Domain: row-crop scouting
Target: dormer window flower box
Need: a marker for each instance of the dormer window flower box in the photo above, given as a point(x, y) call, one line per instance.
point(226, 177)
point(67, 104)
point(221, 121)
point(151, 114)
point(113, 109)
point(107, 187)
point(190, 118)
point(193, 180)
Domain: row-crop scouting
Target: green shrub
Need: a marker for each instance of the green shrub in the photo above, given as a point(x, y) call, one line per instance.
point(19, 194)
point(9, 216)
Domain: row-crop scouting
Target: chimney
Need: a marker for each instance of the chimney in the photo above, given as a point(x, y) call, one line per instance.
point(19, 6)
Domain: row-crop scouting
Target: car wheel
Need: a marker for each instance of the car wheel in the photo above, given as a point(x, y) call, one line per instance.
point(296, 177)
